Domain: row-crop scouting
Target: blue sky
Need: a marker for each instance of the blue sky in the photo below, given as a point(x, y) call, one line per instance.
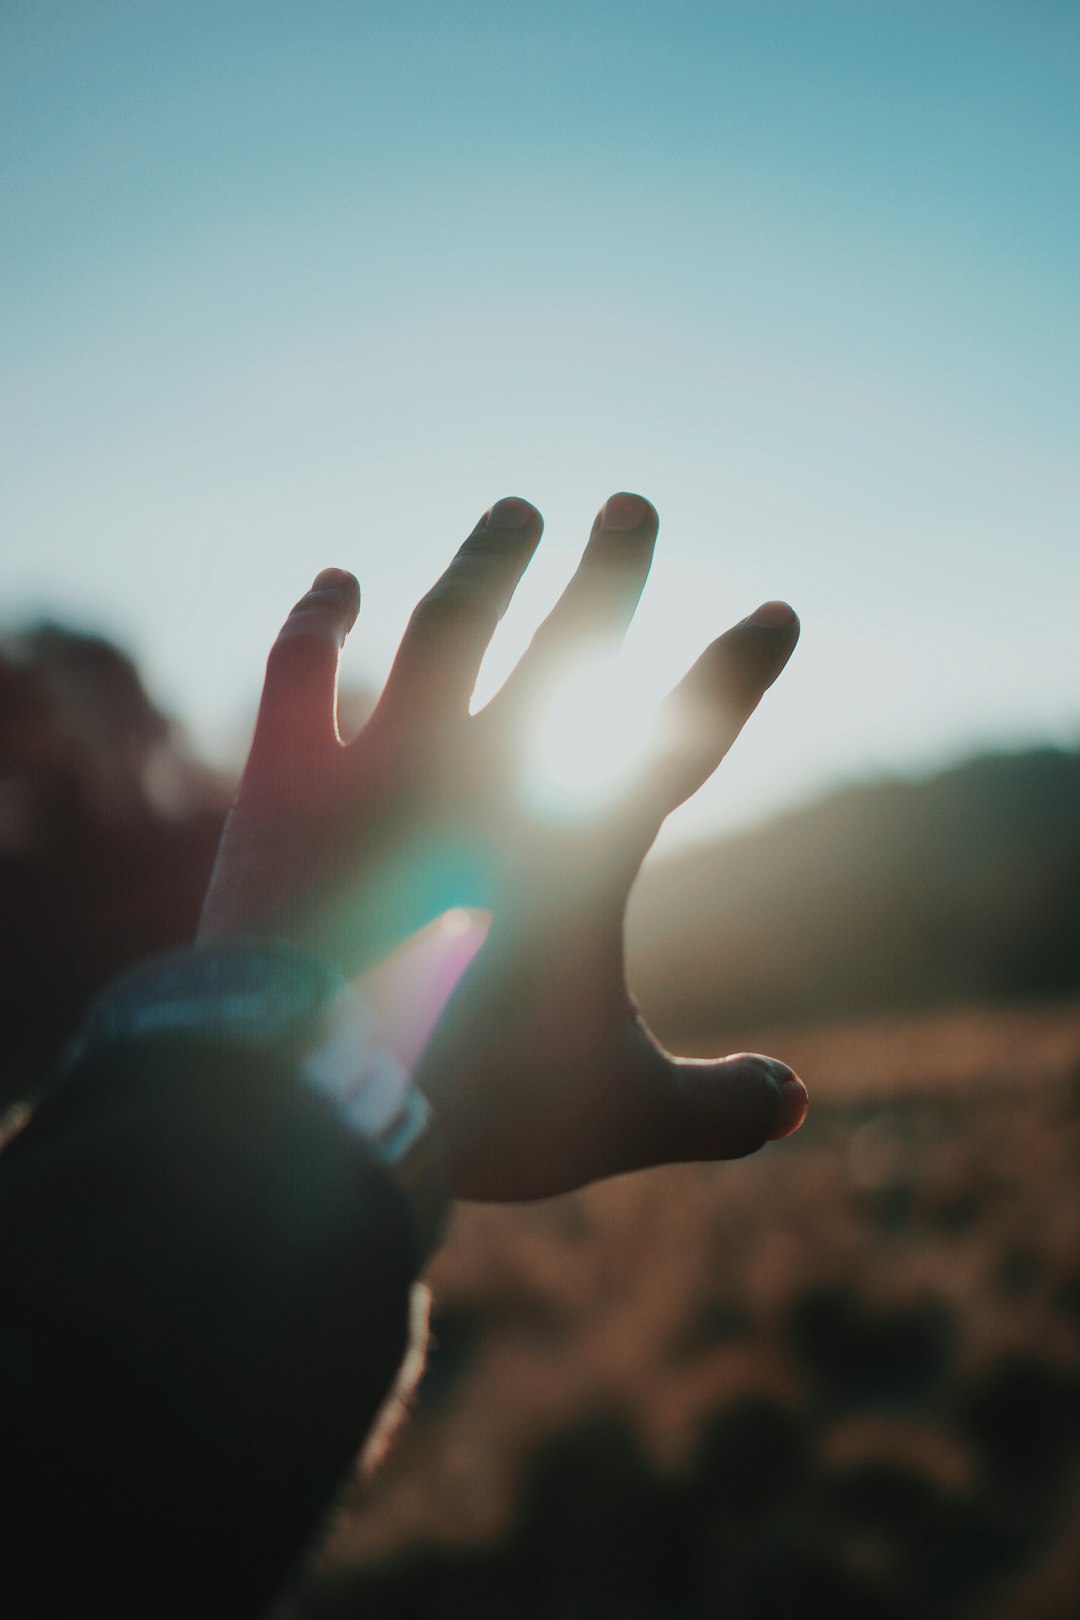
point(289, 285)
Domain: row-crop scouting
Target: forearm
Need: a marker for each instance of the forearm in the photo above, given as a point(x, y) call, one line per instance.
point(205, 1296)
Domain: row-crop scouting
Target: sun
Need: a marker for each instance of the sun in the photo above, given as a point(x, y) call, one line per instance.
point(592, 736)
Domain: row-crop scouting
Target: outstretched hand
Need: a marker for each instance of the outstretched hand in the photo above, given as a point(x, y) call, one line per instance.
point(540, 1071)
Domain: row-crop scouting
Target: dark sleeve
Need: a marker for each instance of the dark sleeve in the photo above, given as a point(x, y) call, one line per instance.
point(204, 1285)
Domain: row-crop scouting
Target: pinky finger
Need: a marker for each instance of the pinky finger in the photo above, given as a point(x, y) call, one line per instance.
point(297, 711)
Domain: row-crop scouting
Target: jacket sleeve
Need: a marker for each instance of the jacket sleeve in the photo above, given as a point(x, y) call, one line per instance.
point(204, 1289)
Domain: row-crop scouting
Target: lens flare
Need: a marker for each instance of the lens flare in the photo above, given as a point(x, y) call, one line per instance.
point(456, 923)
point(410, 988)
point(592, 738)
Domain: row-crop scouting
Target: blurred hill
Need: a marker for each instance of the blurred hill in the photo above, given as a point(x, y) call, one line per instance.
point(962, 888)
point(108, 827)
point(109, 823)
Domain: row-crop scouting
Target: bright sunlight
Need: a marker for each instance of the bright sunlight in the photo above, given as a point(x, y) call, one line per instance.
point(593, 736)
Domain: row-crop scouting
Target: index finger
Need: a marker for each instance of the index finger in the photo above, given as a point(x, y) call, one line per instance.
point(703, 715)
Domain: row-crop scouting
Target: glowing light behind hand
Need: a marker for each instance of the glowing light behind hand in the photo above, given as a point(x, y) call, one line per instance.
point(593, 736)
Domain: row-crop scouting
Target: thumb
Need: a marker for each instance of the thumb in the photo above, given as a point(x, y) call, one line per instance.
point(299, 699)
point(731, 1107)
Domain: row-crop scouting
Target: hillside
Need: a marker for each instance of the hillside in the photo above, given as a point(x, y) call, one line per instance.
point(897, 894)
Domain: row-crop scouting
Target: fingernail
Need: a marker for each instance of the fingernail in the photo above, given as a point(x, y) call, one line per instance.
point(771, 616)
point(792, 1108)
point(509, 513)
point(623, 511)
point(348, 590)
point(332, 579)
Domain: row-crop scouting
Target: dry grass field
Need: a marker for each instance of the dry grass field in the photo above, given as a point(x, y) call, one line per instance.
point(841, 1378)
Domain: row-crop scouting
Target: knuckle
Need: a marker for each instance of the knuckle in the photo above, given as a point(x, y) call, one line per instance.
point(483, 547)
point(454, 604)
point(303, 638)
point(498, 552)
point(617, 553)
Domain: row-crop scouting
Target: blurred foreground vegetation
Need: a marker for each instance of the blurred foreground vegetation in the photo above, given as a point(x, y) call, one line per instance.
point(840, 1379)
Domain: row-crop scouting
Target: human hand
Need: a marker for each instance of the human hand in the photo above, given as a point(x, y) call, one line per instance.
point(541, 1073)
point(345, 848)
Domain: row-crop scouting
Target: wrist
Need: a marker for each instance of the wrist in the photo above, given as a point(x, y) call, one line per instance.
point(265, 995)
